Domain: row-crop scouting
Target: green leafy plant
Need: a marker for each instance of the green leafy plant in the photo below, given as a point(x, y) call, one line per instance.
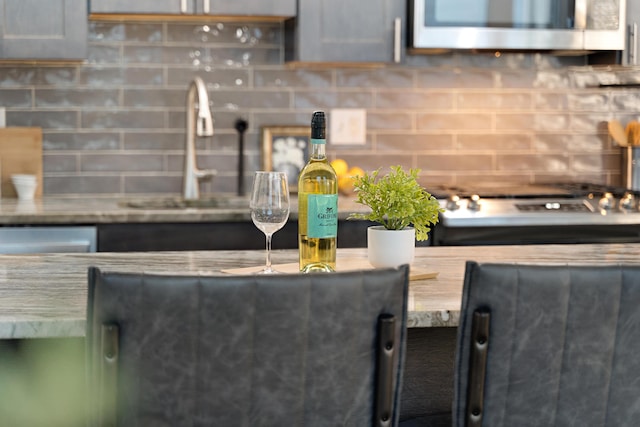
point(396, 201)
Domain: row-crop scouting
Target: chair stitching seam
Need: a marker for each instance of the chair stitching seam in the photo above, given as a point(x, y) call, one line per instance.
point(564, 348)
point(252, 343)
point(512, 350)
point(615, 335)
point(305, 352)
point(198, 383)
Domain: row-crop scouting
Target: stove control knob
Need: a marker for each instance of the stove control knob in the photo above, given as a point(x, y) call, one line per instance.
point(453, 203)
point(627, 202)
point(474, 203)
point(606, 202)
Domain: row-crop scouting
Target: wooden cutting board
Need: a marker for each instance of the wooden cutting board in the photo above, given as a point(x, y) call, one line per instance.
point(20, 152)
point(342, 264)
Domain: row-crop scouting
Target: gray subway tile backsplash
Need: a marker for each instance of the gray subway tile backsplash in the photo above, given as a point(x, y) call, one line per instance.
point(16, 98)
point(78, 142)
point(123, 162)
point(124, 118)
point(113, 125)
point(116, 76)
point(46, 119)
point(292, 79)
point(392, 77)
point(72, 97)
point(77, 184)
point(60, 163)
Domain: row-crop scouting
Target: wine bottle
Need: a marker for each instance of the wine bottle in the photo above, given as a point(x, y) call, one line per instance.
point(317, 205)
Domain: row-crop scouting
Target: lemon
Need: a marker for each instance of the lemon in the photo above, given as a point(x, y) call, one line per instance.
point(340, 166)
point(355, 171)
point(345, 185)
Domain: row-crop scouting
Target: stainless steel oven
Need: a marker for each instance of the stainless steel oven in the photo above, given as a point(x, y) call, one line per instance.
point(555, 25)
point(536, 214)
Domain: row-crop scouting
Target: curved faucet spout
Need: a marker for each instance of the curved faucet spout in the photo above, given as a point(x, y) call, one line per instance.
point(205, 121)
point(202, 126)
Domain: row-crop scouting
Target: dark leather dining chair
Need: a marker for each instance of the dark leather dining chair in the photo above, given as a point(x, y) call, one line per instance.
point(548, 346)
point(259, 350)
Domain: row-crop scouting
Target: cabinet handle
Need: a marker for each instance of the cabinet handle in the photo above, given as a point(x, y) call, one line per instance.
point(580, 15)
point(183, 6)
point(633, 44)
point(397, 40)
point(206, 6)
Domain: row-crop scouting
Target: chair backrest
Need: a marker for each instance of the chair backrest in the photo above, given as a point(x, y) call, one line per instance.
point(548, 346)
point(259, 350)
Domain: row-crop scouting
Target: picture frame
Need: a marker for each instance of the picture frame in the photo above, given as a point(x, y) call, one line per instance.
point(286, 149)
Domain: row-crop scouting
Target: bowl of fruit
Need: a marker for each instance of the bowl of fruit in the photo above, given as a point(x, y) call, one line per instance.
point(345, 175)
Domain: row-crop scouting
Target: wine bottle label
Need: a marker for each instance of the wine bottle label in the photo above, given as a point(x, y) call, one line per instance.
point(322, 215)
point(318, 141)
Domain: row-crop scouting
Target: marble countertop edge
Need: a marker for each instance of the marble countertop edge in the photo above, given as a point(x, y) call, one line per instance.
point(61, 210)
point(45, 295)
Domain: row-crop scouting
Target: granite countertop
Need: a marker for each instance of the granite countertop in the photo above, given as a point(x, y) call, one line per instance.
point(61, 210)
point(45, 295)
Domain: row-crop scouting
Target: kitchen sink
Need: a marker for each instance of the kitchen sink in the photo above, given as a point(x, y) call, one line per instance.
point(216, 202)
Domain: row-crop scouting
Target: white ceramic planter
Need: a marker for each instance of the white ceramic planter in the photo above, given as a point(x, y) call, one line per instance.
point(390, 248)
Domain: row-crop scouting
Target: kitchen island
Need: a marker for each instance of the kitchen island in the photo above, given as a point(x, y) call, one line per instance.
point(45, 295)
point(43, 301)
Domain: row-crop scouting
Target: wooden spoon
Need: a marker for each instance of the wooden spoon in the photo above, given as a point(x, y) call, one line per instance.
point(633, 133)
point(617, 132)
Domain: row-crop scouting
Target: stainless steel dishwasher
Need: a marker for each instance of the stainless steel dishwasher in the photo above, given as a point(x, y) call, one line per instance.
point(47, 239)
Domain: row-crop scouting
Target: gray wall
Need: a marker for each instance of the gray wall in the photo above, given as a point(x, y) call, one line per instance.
point(114, 125)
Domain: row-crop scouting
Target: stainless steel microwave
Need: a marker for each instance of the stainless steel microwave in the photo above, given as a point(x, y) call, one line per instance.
point(555, 25)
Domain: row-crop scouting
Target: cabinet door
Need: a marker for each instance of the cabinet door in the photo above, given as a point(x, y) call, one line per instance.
point(247, 7)
point(143, 6)
point(212, 7)
point(346, 31)
point(632, 55)
point(43, 29)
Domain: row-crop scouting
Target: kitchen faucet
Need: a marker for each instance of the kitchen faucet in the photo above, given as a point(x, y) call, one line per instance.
point(200, 126)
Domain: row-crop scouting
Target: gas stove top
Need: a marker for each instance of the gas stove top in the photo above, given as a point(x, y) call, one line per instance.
point(540, 204)
point(527, 191)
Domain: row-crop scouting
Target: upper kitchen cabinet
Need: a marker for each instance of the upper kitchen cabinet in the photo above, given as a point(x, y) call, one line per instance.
point(347, 31)
point(142, 6)
point(43, 29)
point(247, 7)
point(633, 23)
point(284, 8)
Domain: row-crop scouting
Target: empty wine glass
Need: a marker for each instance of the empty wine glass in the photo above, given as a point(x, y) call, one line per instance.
point(269, 206)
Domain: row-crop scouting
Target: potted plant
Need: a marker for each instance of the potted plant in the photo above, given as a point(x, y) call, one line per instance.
point(402, 208)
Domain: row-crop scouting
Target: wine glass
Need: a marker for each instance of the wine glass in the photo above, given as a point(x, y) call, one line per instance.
point(269, 207)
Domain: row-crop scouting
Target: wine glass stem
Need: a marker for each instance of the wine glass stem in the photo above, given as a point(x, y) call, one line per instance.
point(268, 262)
